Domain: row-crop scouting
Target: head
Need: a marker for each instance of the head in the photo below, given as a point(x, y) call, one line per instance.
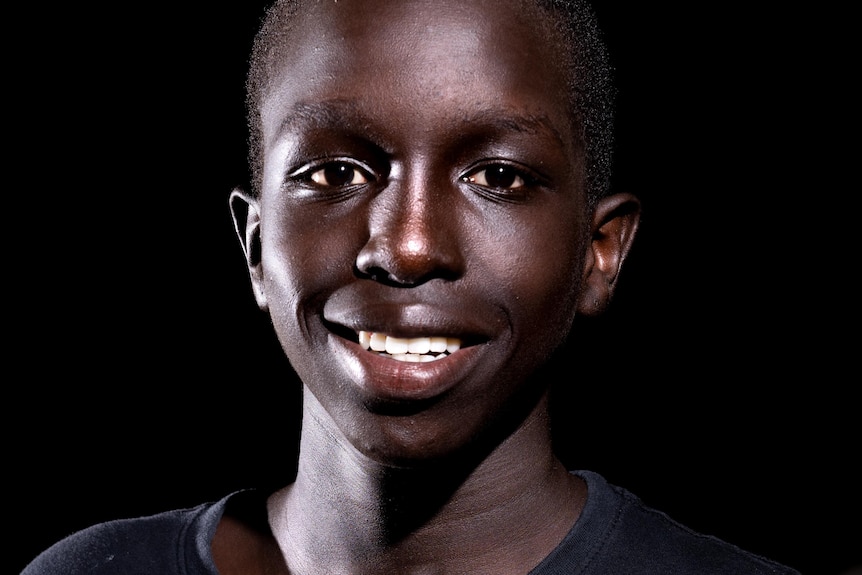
point(424, 171)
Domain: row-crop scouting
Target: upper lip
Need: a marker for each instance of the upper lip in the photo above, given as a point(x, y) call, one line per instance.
point(404, 317)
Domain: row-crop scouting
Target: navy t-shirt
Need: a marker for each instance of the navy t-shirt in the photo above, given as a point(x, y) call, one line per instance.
point(615, 534)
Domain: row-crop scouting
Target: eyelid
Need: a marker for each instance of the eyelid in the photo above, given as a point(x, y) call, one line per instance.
point(527, 176)
point(307, 170)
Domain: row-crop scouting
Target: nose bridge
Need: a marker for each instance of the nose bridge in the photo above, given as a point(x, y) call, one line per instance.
point(410, 234)
point(412, 222)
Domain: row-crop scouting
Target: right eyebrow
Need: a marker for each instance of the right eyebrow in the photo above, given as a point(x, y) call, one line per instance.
point(341, 113)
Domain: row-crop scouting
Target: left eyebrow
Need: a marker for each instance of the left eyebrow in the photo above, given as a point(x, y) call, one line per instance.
point(504, 120)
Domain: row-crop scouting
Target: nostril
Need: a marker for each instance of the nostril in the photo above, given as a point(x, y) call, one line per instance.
point(377, 274)
point(380, 275)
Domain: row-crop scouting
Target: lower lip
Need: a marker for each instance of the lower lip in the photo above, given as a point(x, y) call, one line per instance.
point(389, 379)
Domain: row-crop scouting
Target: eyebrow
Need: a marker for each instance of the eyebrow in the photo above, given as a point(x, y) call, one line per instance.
point(326, 113)
point(347, 114)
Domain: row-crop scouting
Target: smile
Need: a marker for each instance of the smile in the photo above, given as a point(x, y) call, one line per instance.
point(409, 349)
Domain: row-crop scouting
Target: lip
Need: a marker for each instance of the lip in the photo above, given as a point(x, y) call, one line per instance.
point(412, 319)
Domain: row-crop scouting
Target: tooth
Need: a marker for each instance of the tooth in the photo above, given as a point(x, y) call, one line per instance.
point(396, 345)
point(420, 345)
point(378, 342)
point(415, 357)
point(453, 344)
point(437, 344)
point(365, 339)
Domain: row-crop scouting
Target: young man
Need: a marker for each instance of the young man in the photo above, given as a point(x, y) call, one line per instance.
point(429, 213)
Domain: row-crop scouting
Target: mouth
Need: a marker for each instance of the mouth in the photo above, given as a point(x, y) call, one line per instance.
point(410, 362)
point(409, 349)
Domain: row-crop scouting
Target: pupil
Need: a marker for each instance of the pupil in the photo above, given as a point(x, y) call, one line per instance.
point(339, 174)
point(500, 177)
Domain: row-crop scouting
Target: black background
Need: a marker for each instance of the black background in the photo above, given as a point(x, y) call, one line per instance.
point(720, 387)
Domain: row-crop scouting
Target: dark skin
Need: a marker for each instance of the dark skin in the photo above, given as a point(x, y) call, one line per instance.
point(422, 179)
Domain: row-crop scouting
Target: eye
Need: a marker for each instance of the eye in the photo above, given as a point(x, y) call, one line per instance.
point(498, 176)
point(338, 174)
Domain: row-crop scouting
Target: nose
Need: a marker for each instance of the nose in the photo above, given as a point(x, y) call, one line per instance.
point(412, 237)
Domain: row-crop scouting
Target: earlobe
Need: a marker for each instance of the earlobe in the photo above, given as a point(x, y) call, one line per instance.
point(245, 212)
point(614, 224)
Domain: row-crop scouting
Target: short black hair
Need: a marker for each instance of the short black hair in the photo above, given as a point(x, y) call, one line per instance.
point(591, 88)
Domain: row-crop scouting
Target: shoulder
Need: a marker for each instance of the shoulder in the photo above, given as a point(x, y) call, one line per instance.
point(645, 530)
point(618, 533)
point(167, 543)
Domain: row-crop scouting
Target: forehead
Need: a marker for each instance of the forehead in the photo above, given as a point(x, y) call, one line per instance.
point(419, 59)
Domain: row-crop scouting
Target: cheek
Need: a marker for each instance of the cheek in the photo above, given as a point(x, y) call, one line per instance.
point(541, 277)
point(307, 247)
point(302, 262)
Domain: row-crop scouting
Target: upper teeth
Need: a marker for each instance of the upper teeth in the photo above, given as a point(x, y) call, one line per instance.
point(409, 348)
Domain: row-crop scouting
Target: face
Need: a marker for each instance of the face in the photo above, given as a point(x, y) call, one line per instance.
point(422, 190)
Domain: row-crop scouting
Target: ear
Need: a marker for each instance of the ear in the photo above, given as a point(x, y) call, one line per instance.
point(615, 221)
point(245, 212)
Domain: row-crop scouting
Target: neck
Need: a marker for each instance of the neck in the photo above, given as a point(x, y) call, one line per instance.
point(500, 511)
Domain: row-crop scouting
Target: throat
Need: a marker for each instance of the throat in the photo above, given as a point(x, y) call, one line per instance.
point(498, 505)
point(399, 531)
